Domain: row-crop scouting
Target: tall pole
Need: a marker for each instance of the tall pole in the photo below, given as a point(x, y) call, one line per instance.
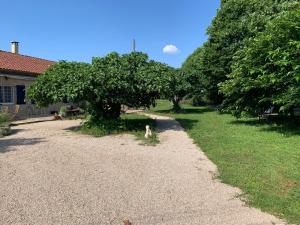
point(133, 45)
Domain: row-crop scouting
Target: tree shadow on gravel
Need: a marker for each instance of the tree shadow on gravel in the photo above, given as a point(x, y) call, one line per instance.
point(73, 128)
point(15, 131)
point(7, 145)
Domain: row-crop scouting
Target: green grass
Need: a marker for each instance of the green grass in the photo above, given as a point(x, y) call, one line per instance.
point(261, 159)
point(129, 123)
point(4, 118)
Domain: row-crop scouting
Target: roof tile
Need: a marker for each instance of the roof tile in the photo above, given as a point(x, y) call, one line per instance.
point(23, 64)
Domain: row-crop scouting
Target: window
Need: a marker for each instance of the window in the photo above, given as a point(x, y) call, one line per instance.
point(6, 94)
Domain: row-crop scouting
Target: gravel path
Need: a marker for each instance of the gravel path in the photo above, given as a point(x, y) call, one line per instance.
point(50, 175)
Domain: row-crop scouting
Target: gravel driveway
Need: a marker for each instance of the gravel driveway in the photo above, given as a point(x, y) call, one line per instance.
point(50, 175)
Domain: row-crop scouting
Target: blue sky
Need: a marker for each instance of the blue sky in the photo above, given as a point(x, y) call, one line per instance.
point(77, 30)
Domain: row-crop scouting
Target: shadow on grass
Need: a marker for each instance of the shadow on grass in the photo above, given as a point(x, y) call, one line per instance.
point(287, 128)
point(7, 145)
point(187, 124)
point(186, 111)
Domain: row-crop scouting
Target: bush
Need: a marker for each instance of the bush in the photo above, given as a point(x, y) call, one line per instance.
point(5, 130)
point(5, 120)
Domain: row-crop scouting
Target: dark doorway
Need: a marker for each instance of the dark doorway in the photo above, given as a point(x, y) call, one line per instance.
point(20, 94)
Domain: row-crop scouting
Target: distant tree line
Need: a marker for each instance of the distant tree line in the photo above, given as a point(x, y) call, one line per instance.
point(251, 60)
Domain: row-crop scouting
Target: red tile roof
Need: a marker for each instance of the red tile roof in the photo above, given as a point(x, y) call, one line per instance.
point(16, 63)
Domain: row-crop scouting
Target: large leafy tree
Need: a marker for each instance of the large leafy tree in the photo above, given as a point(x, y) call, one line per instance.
point(106, 84)
point(130, 80)
point(177, 86)
point(266, 72)
point(235, 22)
point(193, 70)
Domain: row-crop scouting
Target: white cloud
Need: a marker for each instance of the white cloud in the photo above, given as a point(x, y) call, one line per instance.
point(170, 49)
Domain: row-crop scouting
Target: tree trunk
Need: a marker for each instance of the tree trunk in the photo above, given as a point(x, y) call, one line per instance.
point(105, 111)
point(113, 111)
point(176, 105)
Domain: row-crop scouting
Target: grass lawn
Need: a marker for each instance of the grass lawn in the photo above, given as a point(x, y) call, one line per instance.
point(129, 123)
point(261, 159)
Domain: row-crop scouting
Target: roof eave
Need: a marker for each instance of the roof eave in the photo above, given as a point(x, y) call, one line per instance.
point(17, 72)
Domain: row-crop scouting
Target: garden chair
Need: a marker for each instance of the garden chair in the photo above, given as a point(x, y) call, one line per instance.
point(269, 113)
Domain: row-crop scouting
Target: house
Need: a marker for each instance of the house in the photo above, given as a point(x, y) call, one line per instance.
point(17, 72)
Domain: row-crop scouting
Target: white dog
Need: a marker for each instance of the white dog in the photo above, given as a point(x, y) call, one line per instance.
point(148, 132)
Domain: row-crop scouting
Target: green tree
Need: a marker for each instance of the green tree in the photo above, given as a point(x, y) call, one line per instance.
point(193, 68)
point(62, 82)
point(177, 86)
point(105, 85)
point(266, 72)
point(235, 22)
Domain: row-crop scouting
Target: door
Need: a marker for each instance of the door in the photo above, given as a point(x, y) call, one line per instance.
point(20, 94)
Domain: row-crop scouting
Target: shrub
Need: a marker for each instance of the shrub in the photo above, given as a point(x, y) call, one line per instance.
point(5, 120)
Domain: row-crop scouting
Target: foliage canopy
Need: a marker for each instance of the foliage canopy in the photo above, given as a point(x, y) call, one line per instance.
point(267, 71)
point(251, 57)
point(106, 84)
